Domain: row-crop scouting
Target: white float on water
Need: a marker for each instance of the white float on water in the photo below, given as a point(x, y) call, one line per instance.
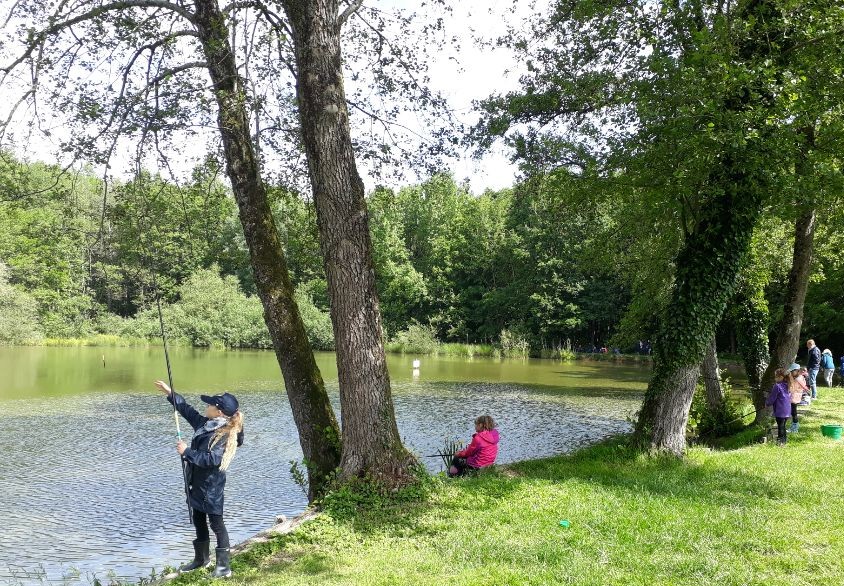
point(416, 364)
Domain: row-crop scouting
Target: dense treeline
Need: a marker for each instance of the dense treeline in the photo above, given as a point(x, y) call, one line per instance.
point(540, 262)
point(466, 266)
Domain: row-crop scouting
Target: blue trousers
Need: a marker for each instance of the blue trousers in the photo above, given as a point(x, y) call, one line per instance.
point(813, 381)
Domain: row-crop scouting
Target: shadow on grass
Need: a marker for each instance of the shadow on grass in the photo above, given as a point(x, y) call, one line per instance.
point(615, 466)
point(600, 392)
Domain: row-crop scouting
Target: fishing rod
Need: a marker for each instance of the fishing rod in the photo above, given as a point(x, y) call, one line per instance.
point(175, 412)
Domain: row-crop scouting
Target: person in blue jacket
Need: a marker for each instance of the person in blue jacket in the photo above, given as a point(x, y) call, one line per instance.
point(827, 366)
point(813, 366)
point(217, 435)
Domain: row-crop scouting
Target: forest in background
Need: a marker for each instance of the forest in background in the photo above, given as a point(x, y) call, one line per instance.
point(557, 262)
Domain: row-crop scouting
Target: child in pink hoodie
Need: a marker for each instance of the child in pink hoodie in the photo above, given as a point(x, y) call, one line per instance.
point(481, 452)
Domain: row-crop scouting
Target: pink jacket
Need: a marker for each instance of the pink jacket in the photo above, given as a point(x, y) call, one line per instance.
point(482, 450)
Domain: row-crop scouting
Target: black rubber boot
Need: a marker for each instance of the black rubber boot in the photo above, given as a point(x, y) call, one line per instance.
point(222, 570)
point(201, 556)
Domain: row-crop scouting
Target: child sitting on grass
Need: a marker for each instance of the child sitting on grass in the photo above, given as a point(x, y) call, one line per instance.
point(481, 452)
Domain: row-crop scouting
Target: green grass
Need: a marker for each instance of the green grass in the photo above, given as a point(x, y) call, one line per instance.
point(754, 515)
point(443, 349)
point(105, 340)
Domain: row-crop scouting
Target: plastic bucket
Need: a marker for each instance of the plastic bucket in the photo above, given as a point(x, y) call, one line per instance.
point(833, 431)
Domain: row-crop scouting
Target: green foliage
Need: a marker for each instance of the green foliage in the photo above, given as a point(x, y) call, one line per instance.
point(317, 321)
point(415, 339)
point(514, 343)
point(359, 498)
point(729, 419)
point(211, 311)
point(18, 314)
point(465, 350)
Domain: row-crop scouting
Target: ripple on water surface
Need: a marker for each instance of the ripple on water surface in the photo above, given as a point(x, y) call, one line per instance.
point(91, 483)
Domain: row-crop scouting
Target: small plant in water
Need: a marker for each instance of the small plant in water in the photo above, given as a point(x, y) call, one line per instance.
point(450, 447)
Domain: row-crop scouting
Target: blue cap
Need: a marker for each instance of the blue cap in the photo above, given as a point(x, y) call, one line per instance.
point(227, 403)
point(794, 366)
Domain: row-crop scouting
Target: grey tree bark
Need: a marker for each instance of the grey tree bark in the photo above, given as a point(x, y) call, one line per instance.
point(788, 329)
point(712, 378)
point(312, 412)
point(371, 443)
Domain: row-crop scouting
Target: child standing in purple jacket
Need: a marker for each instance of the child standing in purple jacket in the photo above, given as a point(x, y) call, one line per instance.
point(780, 399)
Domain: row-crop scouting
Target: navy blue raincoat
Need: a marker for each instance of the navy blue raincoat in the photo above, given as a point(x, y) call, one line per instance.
point(205, 479)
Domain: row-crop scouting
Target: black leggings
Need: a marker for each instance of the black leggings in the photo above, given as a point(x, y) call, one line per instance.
point(200, 521)
point(794, 412)
point(462, 467)
point(781, 435)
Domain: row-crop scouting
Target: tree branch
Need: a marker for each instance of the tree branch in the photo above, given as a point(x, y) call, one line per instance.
point(349, 11)
point(38, 38)
point(178, 69)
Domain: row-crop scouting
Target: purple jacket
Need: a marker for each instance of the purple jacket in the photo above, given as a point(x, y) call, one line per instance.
point(780, 398)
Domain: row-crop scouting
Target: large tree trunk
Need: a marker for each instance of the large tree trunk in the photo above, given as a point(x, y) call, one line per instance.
point(712, 378)
point(707, 267)
point(709, 261)
point(371, 442)
point(312, 412)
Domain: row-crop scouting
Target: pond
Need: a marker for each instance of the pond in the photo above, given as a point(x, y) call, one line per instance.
point(92, 486)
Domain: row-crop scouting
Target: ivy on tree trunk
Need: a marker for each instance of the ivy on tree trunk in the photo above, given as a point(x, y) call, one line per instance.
point(707, 267)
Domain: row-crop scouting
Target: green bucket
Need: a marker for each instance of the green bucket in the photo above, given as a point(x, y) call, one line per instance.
point(833, 431)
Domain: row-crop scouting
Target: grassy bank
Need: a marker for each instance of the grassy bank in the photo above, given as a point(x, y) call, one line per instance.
point(102, 340)
point(440, 349)
point(758, 514)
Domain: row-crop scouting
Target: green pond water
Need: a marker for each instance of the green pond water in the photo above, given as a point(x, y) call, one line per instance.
point(92, 485)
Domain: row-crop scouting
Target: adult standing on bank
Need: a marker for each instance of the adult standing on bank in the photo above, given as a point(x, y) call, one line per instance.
point(828, 366)
point(216, 438)
point(813, 366)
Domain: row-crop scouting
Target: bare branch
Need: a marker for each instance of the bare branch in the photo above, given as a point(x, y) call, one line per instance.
point(240, 5)
point(174, 70)
point(384, 122)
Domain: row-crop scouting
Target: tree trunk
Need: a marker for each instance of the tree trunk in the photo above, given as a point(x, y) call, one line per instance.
point(751, 318)
point(712, 378)
point(312, 412)
point(371, 443)
point(707, 267)
point(788, 329)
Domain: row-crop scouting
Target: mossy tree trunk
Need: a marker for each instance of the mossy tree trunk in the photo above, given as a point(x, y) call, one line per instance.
point(371, 443)
point(312, 412)
point(707, 267)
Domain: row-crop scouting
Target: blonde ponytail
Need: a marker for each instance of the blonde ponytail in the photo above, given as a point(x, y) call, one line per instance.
point(232, 428)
